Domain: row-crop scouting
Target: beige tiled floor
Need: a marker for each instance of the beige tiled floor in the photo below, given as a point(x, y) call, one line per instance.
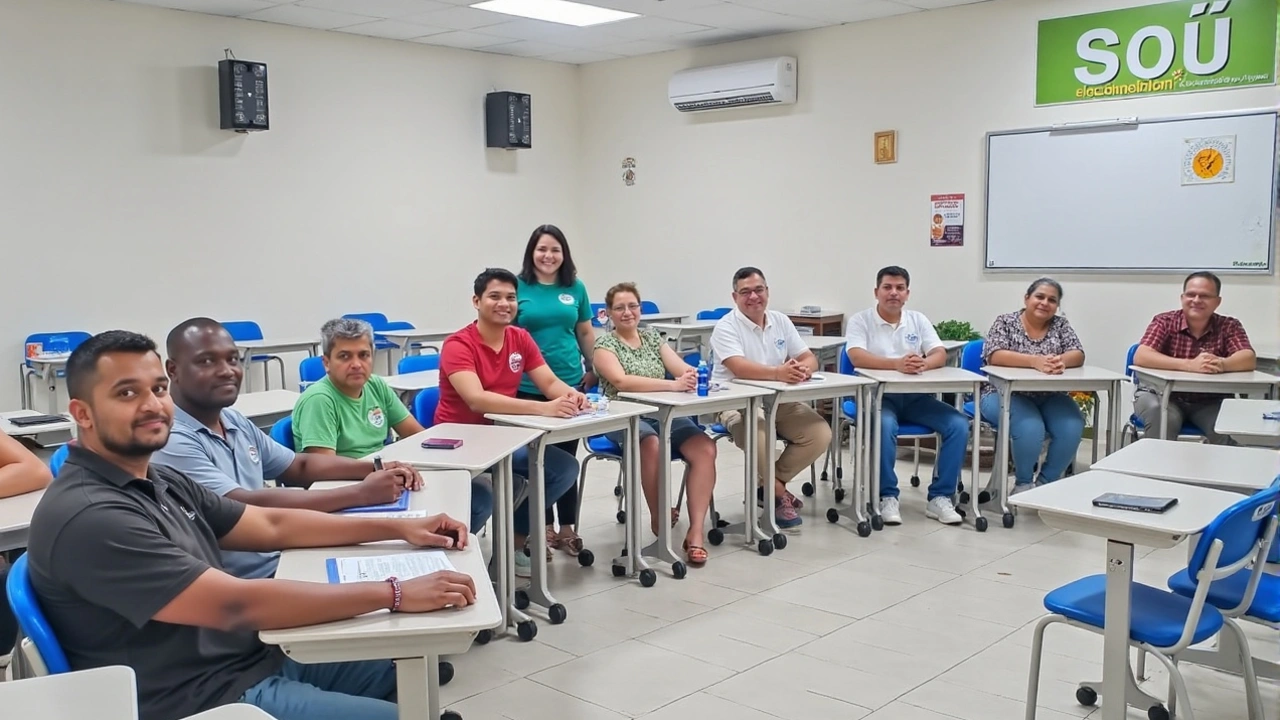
point(918, 622)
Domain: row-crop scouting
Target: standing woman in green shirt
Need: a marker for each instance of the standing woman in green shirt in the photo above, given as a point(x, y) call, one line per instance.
point(555, 309)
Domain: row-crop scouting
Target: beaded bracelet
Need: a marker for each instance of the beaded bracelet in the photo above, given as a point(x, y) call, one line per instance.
point(397, 594)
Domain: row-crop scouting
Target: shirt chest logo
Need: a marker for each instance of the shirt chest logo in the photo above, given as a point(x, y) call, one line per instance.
point(376, 418)
point(780, 343)
point(912, 338)
point(515, 361)
point(253, 454)
point(567, 299)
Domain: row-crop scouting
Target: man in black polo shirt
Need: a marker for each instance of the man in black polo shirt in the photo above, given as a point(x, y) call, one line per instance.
point(124, 556)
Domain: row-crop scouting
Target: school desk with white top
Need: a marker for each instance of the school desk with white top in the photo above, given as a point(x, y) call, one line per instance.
point(1242, 420)
point(1167, 382)
point(823, 386)
point(646, 318)
point(105, 693)
point(238, 711)
point(414, 640)
point(940, 380)
point(15, 519)
point(249, 348)
point(54, 433)
point(1238, 469)
point(826, 348)
point(265, 408)
point(672, 405)
point(48, 367)
point(620, 416)
point(483, 447)
point(409, 384)
point(430, 337)
point(677, 332)
point(1010, 380)
point(1068, 505)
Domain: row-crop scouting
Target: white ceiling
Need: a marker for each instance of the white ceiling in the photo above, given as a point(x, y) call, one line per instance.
point(664, 25)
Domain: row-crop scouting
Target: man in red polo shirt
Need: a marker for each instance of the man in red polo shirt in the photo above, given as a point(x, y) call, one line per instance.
point(1194, 339)
point(480, 370)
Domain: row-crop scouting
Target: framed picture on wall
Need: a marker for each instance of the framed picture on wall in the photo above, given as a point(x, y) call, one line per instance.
point(886, 147)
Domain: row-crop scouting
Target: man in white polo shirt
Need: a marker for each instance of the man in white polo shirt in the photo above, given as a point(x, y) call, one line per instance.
point(755, 343)
point(887, 337)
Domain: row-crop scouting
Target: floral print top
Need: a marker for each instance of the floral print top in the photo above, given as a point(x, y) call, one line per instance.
point(1007, 333)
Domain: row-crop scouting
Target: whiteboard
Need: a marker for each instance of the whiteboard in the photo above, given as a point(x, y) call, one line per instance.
point(1112, 197)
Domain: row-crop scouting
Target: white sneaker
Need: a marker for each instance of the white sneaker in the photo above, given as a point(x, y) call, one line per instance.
point(890, 511)
point(941, 509)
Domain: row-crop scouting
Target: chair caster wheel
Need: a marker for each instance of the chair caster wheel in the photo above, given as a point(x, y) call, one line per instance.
point(622, 517)
point(984, 497)
point(586, 558)
point(1157, 712)
point(557, 614)
point(808, 488)
point(964, 498)
point(483, 637)
point(522, 599)
point(446, 672)
point(915, 481)
point(450, 715)
point(980, 524)
point(822, 476)
point(833, 515)
point(678, 570)
point(617, 491)
point(648, 577)
point(527, 630)
point(864, 529)
point(619, 571)
point(1086, 696)
point(1007, 520)
point(962, 512)
point(715, 536)
point(877, 523)
point(720, 523)
point(765, 547)
point(839, 495)
point(779, 542)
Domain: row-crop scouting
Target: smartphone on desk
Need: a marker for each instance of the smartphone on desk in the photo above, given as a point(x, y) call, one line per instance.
point(441, 444)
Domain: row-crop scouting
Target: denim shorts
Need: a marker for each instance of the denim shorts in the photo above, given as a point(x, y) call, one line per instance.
point(682, 429)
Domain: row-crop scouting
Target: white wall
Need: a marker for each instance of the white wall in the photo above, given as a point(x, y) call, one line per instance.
point(794, 190)
point(124, 205)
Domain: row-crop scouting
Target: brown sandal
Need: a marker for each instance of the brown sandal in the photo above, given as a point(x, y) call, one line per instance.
point(571, 544)
point(695, 554)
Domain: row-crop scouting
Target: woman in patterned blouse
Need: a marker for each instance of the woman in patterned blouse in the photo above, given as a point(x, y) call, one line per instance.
point(1036, 337)
point(634, 360)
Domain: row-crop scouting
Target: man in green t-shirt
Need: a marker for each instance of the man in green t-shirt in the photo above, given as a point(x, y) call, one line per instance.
point(350, 411)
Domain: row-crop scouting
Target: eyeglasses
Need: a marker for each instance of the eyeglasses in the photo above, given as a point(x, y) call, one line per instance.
point(748, 292)
point(1198, 296)
point(633, 307)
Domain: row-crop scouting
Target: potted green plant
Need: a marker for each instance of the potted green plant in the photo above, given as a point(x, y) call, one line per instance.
point(956, 330)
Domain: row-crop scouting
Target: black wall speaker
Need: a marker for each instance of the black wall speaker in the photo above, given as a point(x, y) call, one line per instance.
point(507, 120)
point(242, 95)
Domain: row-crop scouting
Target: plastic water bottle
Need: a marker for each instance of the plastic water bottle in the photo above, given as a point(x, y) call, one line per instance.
point(704, 379)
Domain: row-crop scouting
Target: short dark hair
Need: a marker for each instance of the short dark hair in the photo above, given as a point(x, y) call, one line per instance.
point(1217, 282)
point(745, 272)
point(1035, 285)
point(893, 271)
point(491, 274)
point(568, 271)
point(82, 366)
point(173, 342)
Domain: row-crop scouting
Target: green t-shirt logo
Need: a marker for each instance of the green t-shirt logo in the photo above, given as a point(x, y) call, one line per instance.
point(376, 417)
point(567, 299)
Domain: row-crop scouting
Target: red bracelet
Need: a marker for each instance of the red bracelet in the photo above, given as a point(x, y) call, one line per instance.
point(396, 593)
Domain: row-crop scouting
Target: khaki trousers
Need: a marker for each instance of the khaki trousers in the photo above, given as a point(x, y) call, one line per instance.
point(806, 433)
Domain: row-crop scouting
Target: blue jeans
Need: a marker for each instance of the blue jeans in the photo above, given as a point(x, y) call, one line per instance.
point(330, 691)
point(560, 470)
point(927, 410)
point(1031, 417)
point(481, 504)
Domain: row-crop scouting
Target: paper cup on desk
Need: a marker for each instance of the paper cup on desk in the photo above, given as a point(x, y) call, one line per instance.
point(599, 404)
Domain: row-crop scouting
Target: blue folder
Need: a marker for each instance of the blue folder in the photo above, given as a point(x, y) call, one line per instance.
point(399, 505)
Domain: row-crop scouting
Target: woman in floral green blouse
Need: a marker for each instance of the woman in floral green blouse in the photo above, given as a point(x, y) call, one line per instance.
point(633, 360)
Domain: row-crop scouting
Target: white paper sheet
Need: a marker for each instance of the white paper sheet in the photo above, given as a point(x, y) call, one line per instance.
point(403, 514)
point(403, 566)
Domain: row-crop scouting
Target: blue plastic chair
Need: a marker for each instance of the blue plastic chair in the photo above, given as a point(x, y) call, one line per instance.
point(418, 363)
point(909, 431)
point(1188, 431)
point(250, 330)
point(713, 314)
point(59, 457)
point(310, 370)
point(47, 655)
point(600, 447)
point(648, 307)
point(424, 406)
point(282, 431)
point(27, 369)
point(379, 322)
point(1166, 623)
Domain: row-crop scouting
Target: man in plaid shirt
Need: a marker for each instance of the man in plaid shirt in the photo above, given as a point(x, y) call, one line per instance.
point(1193, 339)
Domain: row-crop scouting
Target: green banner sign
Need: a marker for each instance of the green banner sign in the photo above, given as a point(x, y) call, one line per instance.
point(1174, 47)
